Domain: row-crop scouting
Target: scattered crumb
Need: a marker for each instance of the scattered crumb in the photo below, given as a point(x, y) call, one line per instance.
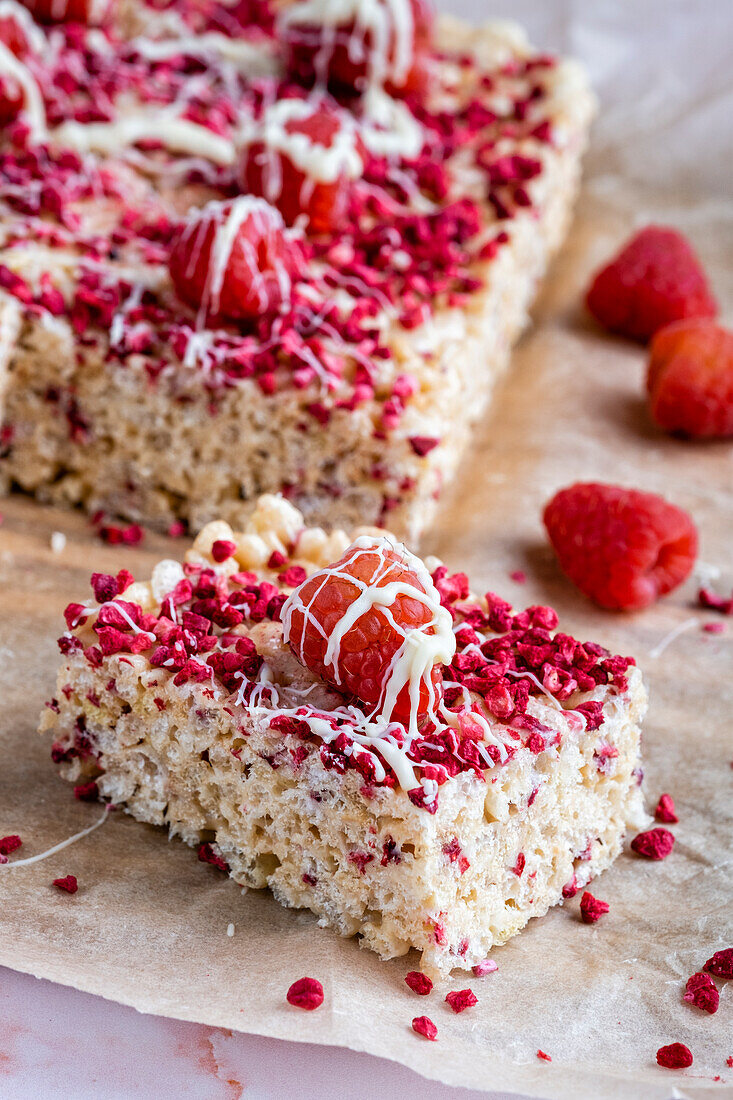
point(58, 542)
point(230, 930)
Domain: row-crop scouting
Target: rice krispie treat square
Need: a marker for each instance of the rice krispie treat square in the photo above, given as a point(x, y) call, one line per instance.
point(245, 249)
point(333, 718)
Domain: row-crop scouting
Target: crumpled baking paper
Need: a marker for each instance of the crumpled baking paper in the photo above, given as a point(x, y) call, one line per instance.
point(148, 926)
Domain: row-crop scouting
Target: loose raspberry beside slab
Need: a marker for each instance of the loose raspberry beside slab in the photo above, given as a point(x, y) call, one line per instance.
point(67, 885)
point(655, 279)
point(461, 999)
point(690, 379)
point(622, 548)
point(721, 963)
point(665, 810)
point(419, 983)
point(701, 992)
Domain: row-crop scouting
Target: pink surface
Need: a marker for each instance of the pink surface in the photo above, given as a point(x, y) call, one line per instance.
point(58, 1043)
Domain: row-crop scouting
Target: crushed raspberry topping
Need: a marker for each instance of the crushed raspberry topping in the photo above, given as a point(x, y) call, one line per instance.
point(701, 992)
point(505, 662)
point(461, 999)
point(653, 844)
point(674, 1056)
point(621, 547)
point(306, 993)
point(591, 908)
point(419, 983)
point(665, 810)
point(423, 1025)
point(67, 885)
point(721, 963)
point(690, 379)
point(656, 279)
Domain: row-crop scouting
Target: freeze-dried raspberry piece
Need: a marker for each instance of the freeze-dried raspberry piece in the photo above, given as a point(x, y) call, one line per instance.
point(653, 844)
point(721, 963)
point(461, 999)
point(486, 966)
point(592, 909)
point(223, 549)
point(382, 43)
point(207, 855)
point(622, 548)
point(234, 260)
point(424, 1026)
point(665, 810)
point(306, 993)
point(372, 626)
point(655, 279)
point(544, 1057)
point(419, 983)
point(9, 844)
point(87, 792)
point(68, 884)
point(303, 160)
point(674, 1056)
point(700, 991)
point(690, 379)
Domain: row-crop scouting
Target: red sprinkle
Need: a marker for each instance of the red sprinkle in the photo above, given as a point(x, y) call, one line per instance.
point(87, 792)
point(545, 1057)
point(306, 993)
point(419, 983)
point(486, 966)
point(461, 999)
point(424, 1026)
point(721, 963)
point(68, 884)
point(665, 810)
point(653, 844)
point(592, 909)
point(700, 991)
point(674, 1056)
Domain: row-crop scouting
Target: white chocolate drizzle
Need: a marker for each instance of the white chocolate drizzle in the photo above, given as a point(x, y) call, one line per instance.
point(35, 111)
point(179, 135)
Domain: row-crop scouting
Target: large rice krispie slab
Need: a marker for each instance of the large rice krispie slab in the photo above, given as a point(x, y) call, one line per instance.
point(182, 700)
point(356, 396)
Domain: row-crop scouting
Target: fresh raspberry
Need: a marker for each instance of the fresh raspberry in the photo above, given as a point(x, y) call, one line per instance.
point(653, 844)
point(362, 664)
point(621, 547)
point(287, 175)
point(700, 991)
point(655, 279)
point(674, 1056)
point(306, 993)
point(592, 909)
point(690, 379)
point(233, 259)
point(348, 56)
point(665, 810)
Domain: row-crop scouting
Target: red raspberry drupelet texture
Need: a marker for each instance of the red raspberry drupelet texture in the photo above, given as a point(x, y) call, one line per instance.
point(621, 547)
point(419, 983)
point(423, 1025)
point(68, 884)
point(386, 47)
point(674, 1056)
point(655, 279)
point(369, 646)
point(592, 909)
point(721, 963)
point(233, 260)
point(290, 181)
point(690, 379)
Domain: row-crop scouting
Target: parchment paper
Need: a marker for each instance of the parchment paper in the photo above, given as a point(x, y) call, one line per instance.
point(148, 926)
